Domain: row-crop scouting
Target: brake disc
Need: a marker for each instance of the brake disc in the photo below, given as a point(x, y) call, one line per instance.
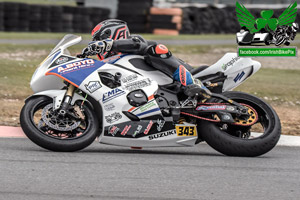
point(57, 122)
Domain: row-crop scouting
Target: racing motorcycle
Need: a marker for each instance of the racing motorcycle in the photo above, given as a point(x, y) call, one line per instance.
point(284, 34)
point(124, 101)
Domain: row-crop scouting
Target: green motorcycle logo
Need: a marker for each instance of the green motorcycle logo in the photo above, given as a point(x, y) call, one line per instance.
point(246, 19)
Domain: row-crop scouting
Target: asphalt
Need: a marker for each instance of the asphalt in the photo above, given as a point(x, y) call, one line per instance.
point(107, 172)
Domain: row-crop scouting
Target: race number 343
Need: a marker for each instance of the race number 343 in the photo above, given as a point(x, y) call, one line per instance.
point(186, 130)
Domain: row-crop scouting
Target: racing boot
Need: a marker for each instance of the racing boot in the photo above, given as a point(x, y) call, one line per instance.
point(192, 87)
point(197, 90)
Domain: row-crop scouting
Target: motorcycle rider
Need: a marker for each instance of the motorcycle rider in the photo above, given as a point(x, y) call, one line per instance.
point(112, 37)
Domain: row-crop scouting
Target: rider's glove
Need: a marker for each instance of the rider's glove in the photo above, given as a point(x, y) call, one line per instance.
point(98, 47)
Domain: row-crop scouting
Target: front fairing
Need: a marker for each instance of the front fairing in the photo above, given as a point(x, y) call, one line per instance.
point(59, 55)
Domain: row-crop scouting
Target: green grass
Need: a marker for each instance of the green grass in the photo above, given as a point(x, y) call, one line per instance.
point(38, 35)
point(87, 36)
point(276, 85)
point(190, 37)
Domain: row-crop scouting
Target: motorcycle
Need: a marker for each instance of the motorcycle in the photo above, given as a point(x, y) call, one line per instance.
point(124, 101)
point(285, 34)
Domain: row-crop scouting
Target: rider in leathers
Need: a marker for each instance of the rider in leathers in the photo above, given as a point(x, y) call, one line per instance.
point(112, 37)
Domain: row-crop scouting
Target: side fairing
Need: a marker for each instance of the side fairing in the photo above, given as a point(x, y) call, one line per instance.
point(76, 72)
point(158, 76)
point(235, 70)
point(114, 101)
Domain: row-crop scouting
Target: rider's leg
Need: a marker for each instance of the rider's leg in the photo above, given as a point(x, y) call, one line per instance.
point(193, 87)
point(161, 58)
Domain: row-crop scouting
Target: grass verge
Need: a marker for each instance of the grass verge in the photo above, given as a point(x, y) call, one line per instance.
point(87, 36)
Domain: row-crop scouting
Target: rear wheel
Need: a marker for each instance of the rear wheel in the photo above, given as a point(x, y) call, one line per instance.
point(238, 140)
point(46, 128)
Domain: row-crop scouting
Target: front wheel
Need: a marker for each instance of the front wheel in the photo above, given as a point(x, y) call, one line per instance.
point(46, 128)
point(280, 39)
point(239, 140)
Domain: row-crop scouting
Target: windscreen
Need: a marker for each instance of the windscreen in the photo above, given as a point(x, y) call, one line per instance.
point(67, 39)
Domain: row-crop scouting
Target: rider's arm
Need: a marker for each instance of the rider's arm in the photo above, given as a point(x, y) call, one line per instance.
point(134, 45)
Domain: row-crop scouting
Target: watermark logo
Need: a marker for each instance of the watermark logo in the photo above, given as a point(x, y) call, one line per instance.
point(266, 29)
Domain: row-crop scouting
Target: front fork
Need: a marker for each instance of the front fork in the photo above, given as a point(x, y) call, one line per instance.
point(67, 100)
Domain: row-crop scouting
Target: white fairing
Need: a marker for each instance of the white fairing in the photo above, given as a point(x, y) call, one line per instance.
point(114, 100)
point(236, 69)
point(158, 76)
point(40, 82)
point(120, 104)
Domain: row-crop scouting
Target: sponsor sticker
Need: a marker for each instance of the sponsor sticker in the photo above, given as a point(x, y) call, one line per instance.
point(110, 59)
point(162, 134)
point(147, 106)
point(231, 62)
point(113, 130)
point(138, 130)
point(148, 127)
point(112, 94)
point(230, 108)
point(76, 65)
point(186, 131)
point(214, 107)
point(129, 78)
point(61, 60)
point(92, 86)
point(137, 84)
point(160, 124)
point(113, 117)
point(239, 76)
point(125, 130)
point(182, 74)
point(109, 107)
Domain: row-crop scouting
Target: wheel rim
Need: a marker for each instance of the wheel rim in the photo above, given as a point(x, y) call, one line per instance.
point(36, 118)
point(261, 128)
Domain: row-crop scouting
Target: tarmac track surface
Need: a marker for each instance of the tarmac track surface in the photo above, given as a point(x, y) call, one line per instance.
point(107, 172)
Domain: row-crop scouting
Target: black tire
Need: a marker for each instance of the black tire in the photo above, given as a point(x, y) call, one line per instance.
point(287, 43)
point(225, 142)
point(52, 143)
point(279, 40)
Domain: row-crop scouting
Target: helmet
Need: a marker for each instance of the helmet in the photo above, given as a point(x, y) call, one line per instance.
point(112, 28)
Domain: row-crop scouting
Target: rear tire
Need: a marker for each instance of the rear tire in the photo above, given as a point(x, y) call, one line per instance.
point(50, 141)
point(227, 143)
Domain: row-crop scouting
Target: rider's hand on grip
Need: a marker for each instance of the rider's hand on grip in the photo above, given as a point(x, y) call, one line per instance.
point(80, 55)
point(99, 47)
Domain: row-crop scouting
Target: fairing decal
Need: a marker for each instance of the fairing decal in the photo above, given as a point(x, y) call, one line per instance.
point(149, 111)
point(76, 72)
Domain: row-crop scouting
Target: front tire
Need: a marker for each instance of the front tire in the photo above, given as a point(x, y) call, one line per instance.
point(228, 142)
point(47, 137)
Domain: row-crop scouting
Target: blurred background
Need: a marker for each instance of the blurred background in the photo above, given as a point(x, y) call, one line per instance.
point(197, 31)
point(170, 17)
